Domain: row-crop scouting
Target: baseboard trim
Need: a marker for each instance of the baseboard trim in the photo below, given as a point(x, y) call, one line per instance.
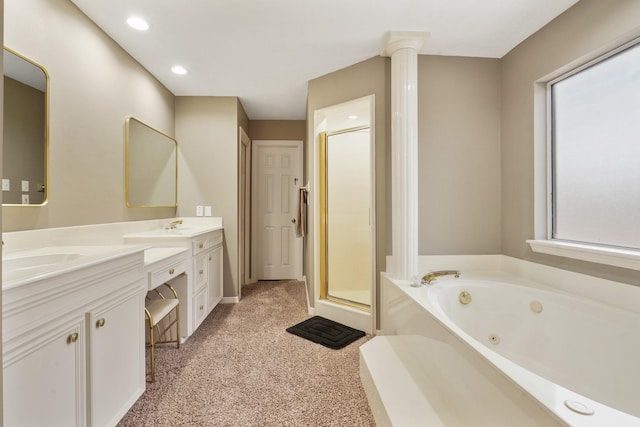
point(230, 300)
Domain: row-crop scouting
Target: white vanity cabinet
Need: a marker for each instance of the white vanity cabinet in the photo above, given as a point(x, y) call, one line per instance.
point(203, 288)
point(73, 344)
point(207, 263)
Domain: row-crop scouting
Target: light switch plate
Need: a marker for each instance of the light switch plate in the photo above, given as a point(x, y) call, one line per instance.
point(25, 185)
point(207, 211)
point(6, 184)
point(199, 211)
point(25, 199)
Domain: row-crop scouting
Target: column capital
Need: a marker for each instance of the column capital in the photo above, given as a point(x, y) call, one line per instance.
point(395, 40)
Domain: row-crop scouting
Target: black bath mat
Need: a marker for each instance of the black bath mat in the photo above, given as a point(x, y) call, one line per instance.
point(326, 332)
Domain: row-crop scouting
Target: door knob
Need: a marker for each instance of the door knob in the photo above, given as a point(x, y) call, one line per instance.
point(293, 220)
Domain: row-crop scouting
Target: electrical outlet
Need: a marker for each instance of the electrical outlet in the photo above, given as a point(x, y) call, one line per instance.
point(25, 199)
point(199, 211)
point(6, 184)
point(207, 211)
point(25, 185)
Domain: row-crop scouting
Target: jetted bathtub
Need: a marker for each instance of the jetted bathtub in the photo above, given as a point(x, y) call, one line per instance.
point(576, 358)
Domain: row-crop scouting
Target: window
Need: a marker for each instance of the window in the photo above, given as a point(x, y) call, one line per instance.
point(595, 152)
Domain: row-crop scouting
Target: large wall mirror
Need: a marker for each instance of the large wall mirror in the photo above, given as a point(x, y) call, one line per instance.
point(26, 130)
point(151, 166)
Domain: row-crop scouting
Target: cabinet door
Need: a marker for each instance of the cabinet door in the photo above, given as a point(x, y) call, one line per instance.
point(199, 308)
point(116, 359)
point(46, 386)
point(215, 277)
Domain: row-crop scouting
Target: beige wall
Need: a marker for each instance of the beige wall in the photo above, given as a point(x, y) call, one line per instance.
point(459, 155)
point(294, 130)
point(589, 26)
point(94, 86)
point(459, 149)
point(207, 134)
point(362, 79)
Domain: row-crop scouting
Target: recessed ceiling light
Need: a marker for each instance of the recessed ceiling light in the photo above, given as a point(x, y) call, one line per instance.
point(138, 23)
point(179, 69)
point(352, 117)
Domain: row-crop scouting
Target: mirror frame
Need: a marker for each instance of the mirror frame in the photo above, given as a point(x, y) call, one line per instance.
point(128, 164)
point(46, 131)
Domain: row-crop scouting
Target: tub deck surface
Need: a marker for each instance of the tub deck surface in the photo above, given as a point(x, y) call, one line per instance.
point(411, 380)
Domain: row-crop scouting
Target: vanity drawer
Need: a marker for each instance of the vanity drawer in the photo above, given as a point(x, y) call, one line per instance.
point(201, 272)
point(207, 241)
point(164, 273)
point(201, 244)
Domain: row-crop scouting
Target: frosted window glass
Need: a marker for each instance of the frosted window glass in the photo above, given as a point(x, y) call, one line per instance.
point(596, 153)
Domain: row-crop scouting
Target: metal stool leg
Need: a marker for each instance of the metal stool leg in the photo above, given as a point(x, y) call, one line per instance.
point(152, 356)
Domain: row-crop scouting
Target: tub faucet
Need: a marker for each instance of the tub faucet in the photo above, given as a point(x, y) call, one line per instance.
point(174, 224)
point(427, 278)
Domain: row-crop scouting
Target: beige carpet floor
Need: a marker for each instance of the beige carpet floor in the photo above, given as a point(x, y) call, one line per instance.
point(241, 368)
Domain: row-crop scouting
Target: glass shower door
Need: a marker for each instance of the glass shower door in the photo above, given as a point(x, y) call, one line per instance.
point(346, 225)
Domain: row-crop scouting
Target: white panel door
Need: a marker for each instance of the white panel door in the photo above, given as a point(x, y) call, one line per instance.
point(277, 180)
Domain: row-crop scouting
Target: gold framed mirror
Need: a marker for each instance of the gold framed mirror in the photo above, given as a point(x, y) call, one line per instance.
point(151, 166)
point(25, 151)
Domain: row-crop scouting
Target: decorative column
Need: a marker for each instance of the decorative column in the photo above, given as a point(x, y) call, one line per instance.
point(403, 49)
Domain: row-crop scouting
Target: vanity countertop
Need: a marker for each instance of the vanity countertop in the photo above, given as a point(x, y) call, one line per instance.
point(156, 255)
point(180, 232)
point(22, 267)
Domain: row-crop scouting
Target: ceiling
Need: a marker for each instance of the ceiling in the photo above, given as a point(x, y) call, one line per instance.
point(265, 51)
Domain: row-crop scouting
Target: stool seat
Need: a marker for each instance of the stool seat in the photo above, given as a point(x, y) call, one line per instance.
point(159, 308)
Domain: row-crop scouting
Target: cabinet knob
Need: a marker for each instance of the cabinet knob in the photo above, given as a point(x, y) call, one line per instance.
point(209, 258)
point(201, 307)
point(201, 245)
point(201, 271)
point(72, 338)
point(171, 270)
point(100, 323)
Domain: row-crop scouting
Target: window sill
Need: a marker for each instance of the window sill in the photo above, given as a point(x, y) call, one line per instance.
point(625, 258)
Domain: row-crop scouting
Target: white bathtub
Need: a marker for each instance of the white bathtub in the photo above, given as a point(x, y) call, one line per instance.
point(568, 354)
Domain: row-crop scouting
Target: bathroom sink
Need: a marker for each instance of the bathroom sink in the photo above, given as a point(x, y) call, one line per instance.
point(181, 230)
point(36, 261)
point(26, 266)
